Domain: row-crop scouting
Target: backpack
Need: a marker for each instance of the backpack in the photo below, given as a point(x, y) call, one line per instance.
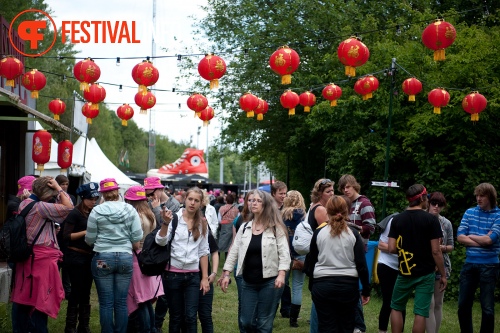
point(383, 224)
point(302, 238)
point(13, 239)
point(153, 259)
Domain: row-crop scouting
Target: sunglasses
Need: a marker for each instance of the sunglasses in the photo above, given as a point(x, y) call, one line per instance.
point(151, 194)
point(326, 181)
point(436, 203)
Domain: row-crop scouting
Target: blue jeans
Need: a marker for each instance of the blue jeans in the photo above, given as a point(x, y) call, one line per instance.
point(473, 275)
point(297, 283)
point(239, 282)
point(25, 321)
point(205, 310)
point(145, 317)
point(112, 272)
point(182, 290)
point(259, 307)
point(313, 326)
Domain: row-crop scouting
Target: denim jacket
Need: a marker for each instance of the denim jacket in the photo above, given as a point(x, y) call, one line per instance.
point(275, 251)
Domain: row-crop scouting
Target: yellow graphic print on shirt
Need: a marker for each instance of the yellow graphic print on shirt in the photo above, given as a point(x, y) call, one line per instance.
point(404, 258)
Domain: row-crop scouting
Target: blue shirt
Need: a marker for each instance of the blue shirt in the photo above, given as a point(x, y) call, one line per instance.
point(480, 222)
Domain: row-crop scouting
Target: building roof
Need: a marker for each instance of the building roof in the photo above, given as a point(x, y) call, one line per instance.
point(14, 99)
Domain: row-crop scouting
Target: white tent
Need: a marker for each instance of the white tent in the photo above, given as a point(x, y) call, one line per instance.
point(88, 162)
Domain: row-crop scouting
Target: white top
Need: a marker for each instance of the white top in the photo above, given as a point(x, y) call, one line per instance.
point(388, 259)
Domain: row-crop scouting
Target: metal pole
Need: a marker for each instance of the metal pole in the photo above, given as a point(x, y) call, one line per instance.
point(152, 134)
point(208, 170)
point(392, 73)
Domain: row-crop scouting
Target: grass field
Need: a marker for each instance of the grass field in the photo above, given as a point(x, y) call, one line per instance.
point(225, 309)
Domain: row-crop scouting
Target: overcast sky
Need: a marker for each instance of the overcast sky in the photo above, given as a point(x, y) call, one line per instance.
point(173, 31)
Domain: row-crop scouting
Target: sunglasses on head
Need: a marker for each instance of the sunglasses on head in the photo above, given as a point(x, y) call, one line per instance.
point(436, 203)
point(326, 181)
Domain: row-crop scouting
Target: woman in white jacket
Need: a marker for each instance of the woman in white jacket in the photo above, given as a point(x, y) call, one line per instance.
point(262, 252)
point(189, 252)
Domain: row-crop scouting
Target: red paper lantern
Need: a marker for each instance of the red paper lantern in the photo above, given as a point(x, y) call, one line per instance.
point(86, 71)
point(197, 103)
point(352, 53)
point(289, 100)
point(64, 155)
point(33, 81)
point(11, 68)
point(89, 112)
point(412, 87)
point(95, 95)
point(145, 74)
point(307, 99)
point(57, 107)
point(262, 109)
point(366, 86)
point(212, 68)
point(438, 98)
point(438, 36)
point(332, 93)
point(41, 148)
point(474, 103)
point(249, 102)
point(145, 101)
point(206, 115)
point(125, 112)
point(284, 61)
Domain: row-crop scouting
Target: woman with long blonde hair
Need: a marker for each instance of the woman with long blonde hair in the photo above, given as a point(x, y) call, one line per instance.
point(188, 256)
point(337, 260)
point(294, 212)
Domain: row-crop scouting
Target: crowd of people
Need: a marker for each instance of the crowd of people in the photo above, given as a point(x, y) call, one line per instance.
point(271, 242)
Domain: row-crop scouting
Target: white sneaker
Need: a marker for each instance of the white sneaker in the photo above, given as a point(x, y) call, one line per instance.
point(357, 330)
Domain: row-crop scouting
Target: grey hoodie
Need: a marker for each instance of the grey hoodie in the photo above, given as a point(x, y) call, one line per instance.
point(113, 226)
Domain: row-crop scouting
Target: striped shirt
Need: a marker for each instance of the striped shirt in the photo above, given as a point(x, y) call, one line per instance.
point(41, 212)
point(363, 214)
point(480, 222)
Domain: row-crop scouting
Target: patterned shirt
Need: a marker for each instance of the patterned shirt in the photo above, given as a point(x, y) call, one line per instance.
point(41, 212)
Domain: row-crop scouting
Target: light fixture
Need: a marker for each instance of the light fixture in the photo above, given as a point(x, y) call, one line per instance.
point(320, 44)
point(179, 57)
point(120, 88)
point(179, 105)
point(117, 61)
point(65, 78)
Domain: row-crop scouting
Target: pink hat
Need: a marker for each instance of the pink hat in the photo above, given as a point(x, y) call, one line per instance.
point(25, 183)
point(152, 183)
point(135, 193)
point(108, 184)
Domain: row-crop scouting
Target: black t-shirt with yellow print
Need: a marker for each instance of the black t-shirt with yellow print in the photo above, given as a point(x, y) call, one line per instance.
point(413, 231)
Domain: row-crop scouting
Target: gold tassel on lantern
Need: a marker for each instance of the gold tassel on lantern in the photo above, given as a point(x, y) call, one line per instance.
point(286, 79)
point(124, 122)
point(143, 111)
point(197, 114)
point(84, 86)
point(333, 103)
point(9, 83)
point(205, 123)
point(214, 84)
point(411, 98)
point(307, 109)
point(250, 114)
point(34, 94)
point(291, 112)
point(89, 121)
point(437, 110)
point(143, 89)
point(260, 116)
point(56, 117)
point(474, 117)
point(350, 71)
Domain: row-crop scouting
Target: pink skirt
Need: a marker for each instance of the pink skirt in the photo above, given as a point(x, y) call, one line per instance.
point(142, 288)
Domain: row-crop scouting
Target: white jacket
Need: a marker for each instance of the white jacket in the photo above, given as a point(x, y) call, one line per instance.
point(213, 221)
point(186, 252)
point(275, 251)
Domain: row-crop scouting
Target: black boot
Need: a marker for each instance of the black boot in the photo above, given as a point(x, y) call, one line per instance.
point(83, 319)
point(71, 314)
point(294, 315)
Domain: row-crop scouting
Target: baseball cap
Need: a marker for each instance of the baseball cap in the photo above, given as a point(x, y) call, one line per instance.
point(88, 191)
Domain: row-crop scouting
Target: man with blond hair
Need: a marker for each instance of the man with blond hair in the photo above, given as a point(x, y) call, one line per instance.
point(479, 231)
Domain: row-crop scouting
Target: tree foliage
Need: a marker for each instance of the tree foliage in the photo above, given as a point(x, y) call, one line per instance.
point(445, 152)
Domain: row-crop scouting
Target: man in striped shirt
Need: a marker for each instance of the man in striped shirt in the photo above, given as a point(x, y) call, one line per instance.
point(479, 231)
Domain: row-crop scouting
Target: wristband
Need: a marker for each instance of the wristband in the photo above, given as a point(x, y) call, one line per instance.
point(60, 191)
point(226, 276)
point(213, 273)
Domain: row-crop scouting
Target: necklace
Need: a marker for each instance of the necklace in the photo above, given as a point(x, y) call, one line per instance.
point(255, 227)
